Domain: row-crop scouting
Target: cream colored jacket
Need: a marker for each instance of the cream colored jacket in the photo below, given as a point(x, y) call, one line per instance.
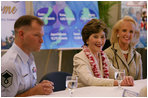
point(82, 69)
point(133, 66)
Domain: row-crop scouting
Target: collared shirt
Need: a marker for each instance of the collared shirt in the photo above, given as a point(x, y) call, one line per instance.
point(18, 72)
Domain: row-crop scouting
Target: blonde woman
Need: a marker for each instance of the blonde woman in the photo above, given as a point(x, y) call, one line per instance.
point(122, 53)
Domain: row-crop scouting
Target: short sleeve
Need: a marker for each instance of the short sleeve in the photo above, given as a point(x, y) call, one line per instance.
point(9, 81)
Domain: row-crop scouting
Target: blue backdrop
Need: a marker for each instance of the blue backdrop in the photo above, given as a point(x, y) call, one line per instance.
point(64, 21)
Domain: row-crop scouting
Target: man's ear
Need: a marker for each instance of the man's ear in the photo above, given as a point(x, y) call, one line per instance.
point(21, 34)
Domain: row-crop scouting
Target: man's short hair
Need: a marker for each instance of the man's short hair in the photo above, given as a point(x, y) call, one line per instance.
point(26, 20)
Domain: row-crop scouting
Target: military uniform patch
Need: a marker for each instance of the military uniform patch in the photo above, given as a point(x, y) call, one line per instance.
point(6, 78)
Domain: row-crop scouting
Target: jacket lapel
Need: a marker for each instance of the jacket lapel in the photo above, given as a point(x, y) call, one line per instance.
point(121, 56)
point(130, 56)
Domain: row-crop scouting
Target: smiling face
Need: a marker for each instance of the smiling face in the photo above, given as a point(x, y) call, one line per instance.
point(96, 41)
point(126, 33)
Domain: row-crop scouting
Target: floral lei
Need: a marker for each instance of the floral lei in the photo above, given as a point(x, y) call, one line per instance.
point(93, 64)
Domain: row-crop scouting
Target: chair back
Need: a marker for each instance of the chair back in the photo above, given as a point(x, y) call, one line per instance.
point(58, 78)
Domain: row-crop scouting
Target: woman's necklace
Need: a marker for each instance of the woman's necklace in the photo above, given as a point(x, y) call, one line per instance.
point(124, 51)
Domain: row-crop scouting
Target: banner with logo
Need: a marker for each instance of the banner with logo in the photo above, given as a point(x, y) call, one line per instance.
point(64, 21)
point(138, 11)
point(10, 11)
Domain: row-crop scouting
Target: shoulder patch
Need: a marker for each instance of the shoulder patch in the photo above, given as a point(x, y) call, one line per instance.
point(6, 79)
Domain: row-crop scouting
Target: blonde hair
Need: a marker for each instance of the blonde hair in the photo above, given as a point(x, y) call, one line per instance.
point(114, 38)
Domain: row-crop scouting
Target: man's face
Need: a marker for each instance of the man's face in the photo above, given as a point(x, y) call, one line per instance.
point(33, 37)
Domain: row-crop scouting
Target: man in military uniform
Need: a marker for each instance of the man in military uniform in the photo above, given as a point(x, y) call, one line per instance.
point(18, 70)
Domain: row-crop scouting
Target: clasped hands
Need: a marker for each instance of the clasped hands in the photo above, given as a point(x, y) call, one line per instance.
point(127, 81)
point(43, 88)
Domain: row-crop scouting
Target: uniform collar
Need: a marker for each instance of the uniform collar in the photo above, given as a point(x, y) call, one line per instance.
point(24, 57)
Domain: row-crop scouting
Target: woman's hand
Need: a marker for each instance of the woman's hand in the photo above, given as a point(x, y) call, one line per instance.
point(127, 81)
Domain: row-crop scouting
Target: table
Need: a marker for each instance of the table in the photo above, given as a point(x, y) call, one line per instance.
point(99, 91)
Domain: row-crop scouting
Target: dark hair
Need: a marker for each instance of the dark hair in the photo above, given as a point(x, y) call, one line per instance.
point(93, 26)
point(26, 20)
